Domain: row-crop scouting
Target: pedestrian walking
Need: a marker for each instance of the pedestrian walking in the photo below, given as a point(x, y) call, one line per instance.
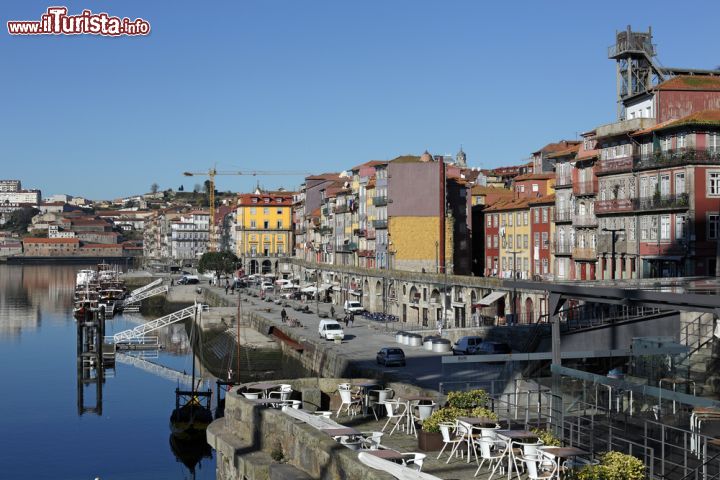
point(347, 320)
point(352, 319)
point(227, 287)
point(332, 311)
point(283, 315)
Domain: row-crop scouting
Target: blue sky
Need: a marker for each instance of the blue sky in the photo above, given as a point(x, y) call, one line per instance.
point(313, 85)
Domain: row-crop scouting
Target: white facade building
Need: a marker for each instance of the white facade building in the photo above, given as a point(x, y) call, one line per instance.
point(189, 237)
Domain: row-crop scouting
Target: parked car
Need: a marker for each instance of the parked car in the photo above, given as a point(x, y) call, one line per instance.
point(465, 344)
point(188, 280)
point(329, 329)
point(267, 286)
point(388, 356)
point(353, 306)
point(490, 348)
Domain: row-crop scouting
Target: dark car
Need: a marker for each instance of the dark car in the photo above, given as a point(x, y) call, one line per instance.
point(389, 356)
point(491, 348)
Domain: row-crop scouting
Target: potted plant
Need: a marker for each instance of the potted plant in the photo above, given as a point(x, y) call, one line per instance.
point(429, 437)
point(547, 437)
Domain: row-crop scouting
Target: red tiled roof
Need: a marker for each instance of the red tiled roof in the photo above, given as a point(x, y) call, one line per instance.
point(534, 176)
point(324, 176)
point(514, 204)
point(246, 199)
point(101, 245)
point(50, 240)
point(371, 163)
point(567, 151)
point(543, 200)
point(703, 117)
point(484, 190)
point(556, 147)
point(691, 82)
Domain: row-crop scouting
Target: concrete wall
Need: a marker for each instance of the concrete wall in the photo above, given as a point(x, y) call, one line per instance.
point(245, 437)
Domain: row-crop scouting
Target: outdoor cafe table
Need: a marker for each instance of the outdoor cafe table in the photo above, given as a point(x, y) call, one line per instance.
point(388, 454)
point(268, 401)
point(511, 436)
point(478, 421)
point(366, 393)
point(341, 432)
point(563, 452)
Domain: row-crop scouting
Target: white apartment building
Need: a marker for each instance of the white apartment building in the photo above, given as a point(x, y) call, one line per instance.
point(189, 237)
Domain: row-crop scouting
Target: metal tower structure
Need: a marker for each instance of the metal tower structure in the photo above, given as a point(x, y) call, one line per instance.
point(637, 70)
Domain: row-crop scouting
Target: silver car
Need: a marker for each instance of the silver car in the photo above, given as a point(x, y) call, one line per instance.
point(388, 356)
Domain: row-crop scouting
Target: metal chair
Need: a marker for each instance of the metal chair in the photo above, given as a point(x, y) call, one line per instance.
point(382, 396)
point(372, 440)
point(394, 412)
point(348, 400)
point(532, 467)
point(414, 460)
point(492, 450)
point(447, 430)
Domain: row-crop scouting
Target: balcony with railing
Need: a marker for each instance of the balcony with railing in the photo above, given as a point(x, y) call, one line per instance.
point(663, 202)
point(614, 165)
point(584, 220)
point(584, 253)
point(359, 232)
point(342, 209)
point(325, 230)
point(676, 158)
point(324, 211)
point(563, 216)
point(585, 188)
point(370, 234)
point(366, 253)
point(380, 224)
point(562, 248)
point(299, 230)
point(563, 181)
point(380, 200)
point(346, 247)
point(618, 205)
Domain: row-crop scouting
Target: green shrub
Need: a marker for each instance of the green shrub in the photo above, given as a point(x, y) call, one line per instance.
point(614, 466)
point(482, 412)
point(447, 414)
point(468, 400)
point(547, 437)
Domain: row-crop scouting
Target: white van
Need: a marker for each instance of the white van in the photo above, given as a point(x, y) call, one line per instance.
point(352, 306)
point(329, 329)
point(466, 345)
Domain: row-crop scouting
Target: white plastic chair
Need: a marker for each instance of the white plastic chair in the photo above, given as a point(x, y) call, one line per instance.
point(394, 411)
point(343, 386)
point(447, 430)
point(492, 450)
point(532, 464)
point(414, 460)
point(349, 401)
point(323, 414)
point(465, 431)
point(372, 440)
point(251, 395)
point(283, 393)
point(382, 396)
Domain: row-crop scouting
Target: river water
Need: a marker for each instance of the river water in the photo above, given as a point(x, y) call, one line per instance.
point(43, 435)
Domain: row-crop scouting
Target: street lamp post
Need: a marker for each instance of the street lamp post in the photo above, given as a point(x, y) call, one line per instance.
point(513, 307)
point(613, 232)
point(444, 300)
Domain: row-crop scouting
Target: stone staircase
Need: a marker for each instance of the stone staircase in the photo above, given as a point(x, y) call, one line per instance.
point(702, 363)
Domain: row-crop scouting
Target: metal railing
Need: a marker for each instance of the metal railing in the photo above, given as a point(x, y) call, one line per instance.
point(563, 181)
point(615, 165)
point(585, 188)
point(585, 220)
point(663, 202)
point(614, 206)
point(380, 200)
point(380, 223)
point(342, 209)
point(563, 215)
point(564, 248)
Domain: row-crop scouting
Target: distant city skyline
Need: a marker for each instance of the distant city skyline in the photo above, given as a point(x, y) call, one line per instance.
point(317, 86)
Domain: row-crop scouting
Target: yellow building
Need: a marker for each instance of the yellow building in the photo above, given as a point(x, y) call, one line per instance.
point(264, 230)
point(515, 244)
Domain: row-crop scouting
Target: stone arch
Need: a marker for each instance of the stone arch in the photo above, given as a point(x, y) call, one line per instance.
point(379, 296)
point(266, 266)
point(529, 311)
point(435, 296)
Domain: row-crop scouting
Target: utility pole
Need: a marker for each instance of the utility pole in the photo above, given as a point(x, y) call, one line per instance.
point(613, 232)
point(513, 308)
point(317, 291)
point(444, 300)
